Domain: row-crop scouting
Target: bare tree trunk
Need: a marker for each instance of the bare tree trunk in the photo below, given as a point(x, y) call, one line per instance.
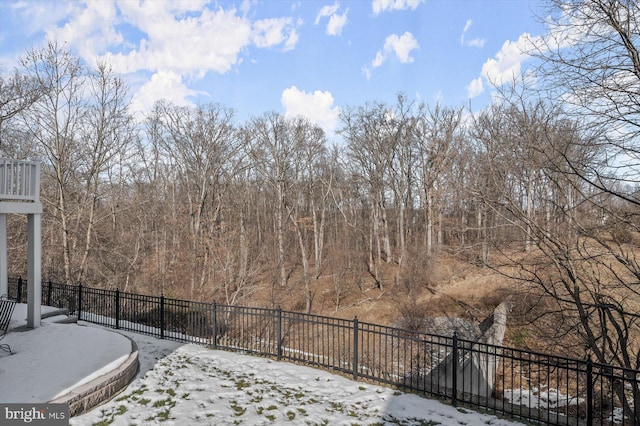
point(280, 236)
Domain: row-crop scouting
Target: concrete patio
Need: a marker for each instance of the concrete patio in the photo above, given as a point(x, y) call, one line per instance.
point(63, 362)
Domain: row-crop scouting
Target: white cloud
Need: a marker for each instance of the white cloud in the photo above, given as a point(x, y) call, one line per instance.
point(183, 36)
point(39, 15)
point(327, 11)
point(274, 31)
point(317, 107)
point(507, 63)
point(162, 85)
point(188, 45)
point(476, 42)
point(367, 72)
point(464, 31)
point(336, 21)
point(475, 88)
point(90, 29)
point(401, 46)
point(384, 5)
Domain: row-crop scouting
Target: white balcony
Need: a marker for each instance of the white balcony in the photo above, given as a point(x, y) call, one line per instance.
point(20, 194)
point(19, 186)
point(19, 180)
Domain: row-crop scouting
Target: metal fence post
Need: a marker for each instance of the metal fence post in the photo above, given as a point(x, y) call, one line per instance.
point(279, 332)
point(49, 285)
point(454, 366)
point(589, 391)
point(19, 295)
point(117, 308)
point(79, 304)
point(215, 325)
point(355, 348)
point(162, 316)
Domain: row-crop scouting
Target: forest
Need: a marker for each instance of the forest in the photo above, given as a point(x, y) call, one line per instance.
point(539, 190)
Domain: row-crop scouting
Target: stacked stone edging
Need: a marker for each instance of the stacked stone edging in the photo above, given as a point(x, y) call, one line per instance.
point(103, 388)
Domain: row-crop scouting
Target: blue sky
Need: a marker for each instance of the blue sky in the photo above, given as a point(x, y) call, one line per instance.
point(309, 57)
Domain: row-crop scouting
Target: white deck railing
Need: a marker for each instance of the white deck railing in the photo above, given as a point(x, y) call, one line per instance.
point(19, 180)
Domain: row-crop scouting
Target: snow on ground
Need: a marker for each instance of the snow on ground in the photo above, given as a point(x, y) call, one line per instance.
point(189, 385)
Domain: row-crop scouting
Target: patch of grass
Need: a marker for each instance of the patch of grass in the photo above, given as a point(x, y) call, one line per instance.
point(336, 406)
point(121, 410)
point(362, 388)
point(164, 402)
point(272, 407)
point(259, 410)
point(104, 422)
point(302, 411)
point(140, 391)
point(171, 392)
point(291, 415)
point(242, 384)
point(185, 395)
point(271, 417)
point(163, 415)
point(238, 410)
point(144, 401)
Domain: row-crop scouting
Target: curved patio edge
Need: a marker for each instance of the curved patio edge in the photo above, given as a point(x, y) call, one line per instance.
point(100, 390)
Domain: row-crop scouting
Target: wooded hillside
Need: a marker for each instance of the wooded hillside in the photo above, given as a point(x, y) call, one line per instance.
point(192, 203)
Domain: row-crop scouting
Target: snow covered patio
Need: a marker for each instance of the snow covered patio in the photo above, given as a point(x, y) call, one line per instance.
point(189, 384)
point(66, 363)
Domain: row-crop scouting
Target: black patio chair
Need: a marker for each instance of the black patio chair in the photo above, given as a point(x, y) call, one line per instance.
point(6, 310)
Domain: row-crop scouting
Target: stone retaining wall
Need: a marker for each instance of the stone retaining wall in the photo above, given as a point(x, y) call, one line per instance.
point(103, 388)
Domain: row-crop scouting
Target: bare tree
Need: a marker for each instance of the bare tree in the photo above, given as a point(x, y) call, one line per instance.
point(438, 132)
point(367, 131)
point(590, 60)
point(54, 122)
point(200, 145)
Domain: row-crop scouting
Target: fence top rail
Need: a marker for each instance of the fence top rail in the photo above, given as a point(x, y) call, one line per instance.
point(316, 317)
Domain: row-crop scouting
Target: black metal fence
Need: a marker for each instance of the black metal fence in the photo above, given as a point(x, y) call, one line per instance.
point(515, 383)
